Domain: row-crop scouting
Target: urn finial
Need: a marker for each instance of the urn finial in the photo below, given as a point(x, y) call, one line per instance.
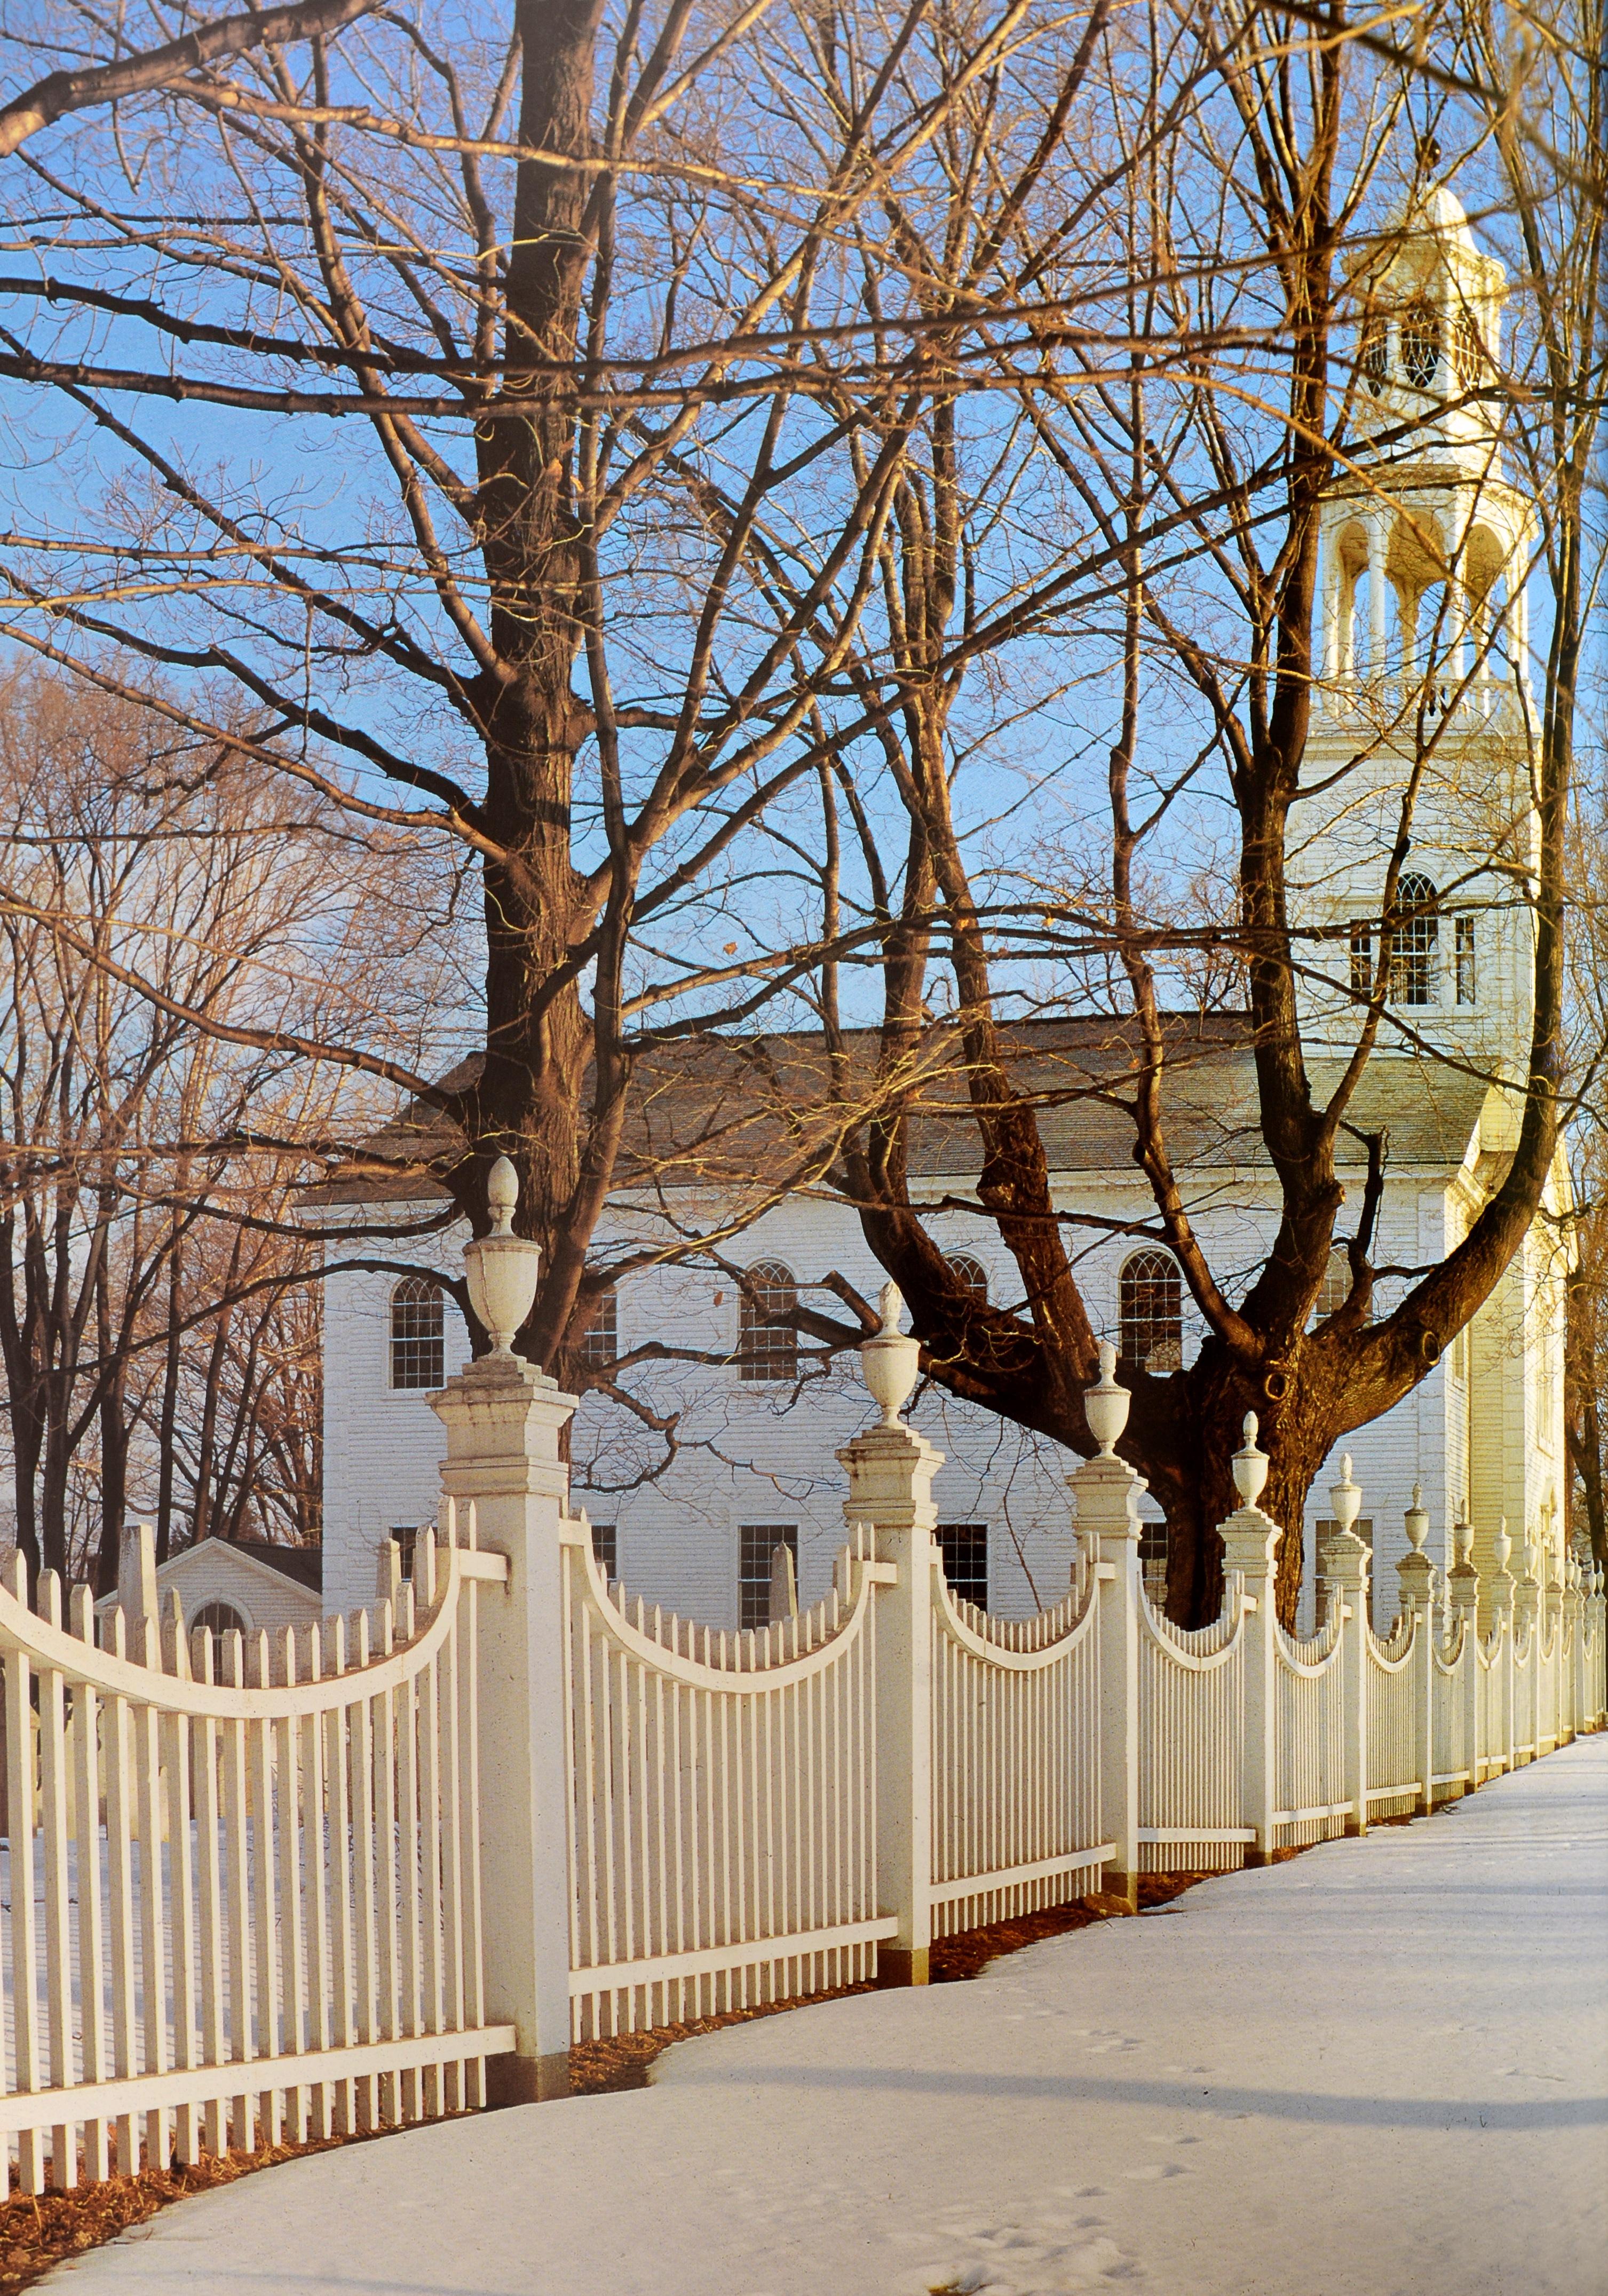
point(1105, 1403)
point(1345, 1497)
point(1251, 1465)
point(891, 1359)
point(1418, 1521)
point(502, 1268)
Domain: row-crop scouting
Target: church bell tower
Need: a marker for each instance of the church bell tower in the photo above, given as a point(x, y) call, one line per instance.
point(1424, 714)
point(1421, 745)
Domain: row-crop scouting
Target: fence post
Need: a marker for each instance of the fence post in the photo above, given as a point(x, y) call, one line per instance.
point(1552, 1596)
point(1499, 1588)
point(504, 1419)
point(1417, 1575)
point(1596, 1689)
point(1347, 1563)
point(1108, 1493)
point(891, 1469)
point(1462, 1592)
point(1573, 1620)
point(1249, 1542)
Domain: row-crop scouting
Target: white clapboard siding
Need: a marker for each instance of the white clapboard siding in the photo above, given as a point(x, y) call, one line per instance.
point(233, 1878)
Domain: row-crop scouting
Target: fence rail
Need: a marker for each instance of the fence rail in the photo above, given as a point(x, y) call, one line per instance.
point(248, 1890)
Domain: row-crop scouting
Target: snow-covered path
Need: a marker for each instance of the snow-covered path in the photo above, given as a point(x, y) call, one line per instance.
point(1382, 2067)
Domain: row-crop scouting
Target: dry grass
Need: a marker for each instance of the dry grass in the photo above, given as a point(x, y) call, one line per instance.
point(37, 2233)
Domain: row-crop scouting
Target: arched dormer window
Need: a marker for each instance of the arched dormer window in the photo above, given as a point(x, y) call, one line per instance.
point(1150, 1311)
point(418, 1334)
point(766, 1350)
point(1417, 941)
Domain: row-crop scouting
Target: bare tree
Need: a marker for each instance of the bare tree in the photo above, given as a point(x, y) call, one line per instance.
point(153, 1270)
point(510, 417)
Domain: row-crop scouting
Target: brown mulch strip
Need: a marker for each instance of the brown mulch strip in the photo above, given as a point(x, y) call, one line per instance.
point(37, 2233)
point(599, 2067)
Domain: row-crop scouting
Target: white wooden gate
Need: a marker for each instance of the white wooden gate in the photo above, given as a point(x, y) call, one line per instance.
point(722, 1847)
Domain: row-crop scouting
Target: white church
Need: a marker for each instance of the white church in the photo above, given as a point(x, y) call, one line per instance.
point(1424, 648)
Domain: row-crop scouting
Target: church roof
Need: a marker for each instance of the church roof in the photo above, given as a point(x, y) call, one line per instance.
point(728, 1112)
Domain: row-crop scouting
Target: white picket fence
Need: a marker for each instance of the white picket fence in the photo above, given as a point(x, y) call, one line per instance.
point(756, 1817)
point(248, 1906)
point(249, 1892)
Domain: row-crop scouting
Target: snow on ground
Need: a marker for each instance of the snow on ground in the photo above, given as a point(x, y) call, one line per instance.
point(1381, 2067)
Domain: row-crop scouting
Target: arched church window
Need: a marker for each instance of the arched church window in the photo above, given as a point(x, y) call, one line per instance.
point(418, 1334)
point(221, 1618)
point(1375, 354)
point(1421, 336)
point(971, 1275)
point(767, 1350)
point(1463, 348)
point(1417, 941)
point(1150, 1311)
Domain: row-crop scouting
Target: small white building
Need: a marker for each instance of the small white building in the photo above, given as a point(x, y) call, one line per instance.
point(249, 1586)
point(1423, 650)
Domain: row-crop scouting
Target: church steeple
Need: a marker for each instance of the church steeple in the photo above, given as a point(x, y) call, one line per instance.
point(1423, 708)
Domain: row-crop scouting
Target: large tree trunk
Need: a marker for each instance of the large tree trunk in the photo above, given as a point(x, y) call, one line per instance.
point(529, 1102)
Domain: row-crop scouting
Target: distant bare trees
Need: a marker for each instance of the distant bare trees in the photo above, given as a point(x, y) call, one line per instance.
point(158, 1334)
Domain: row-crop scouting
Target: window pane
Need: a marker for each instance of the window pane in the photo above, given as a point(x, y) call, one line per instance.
point(601, 1345)
point(965, 1547)
point(1362, 961)
point(1417, 940)
point(605, 1547)
point(1152, 1560)
point(418, 1345)
point(972, 1274)
point(1150, 1304)
point(1335, 1289)
point(1467, 980)
point(756, 1543)
point(221, 1618)
point(767, 1350)
point(1420, 343)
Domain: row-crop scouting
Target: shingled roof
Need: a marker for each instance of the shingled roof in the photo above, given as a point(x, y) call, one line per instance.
point(731, 1111)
